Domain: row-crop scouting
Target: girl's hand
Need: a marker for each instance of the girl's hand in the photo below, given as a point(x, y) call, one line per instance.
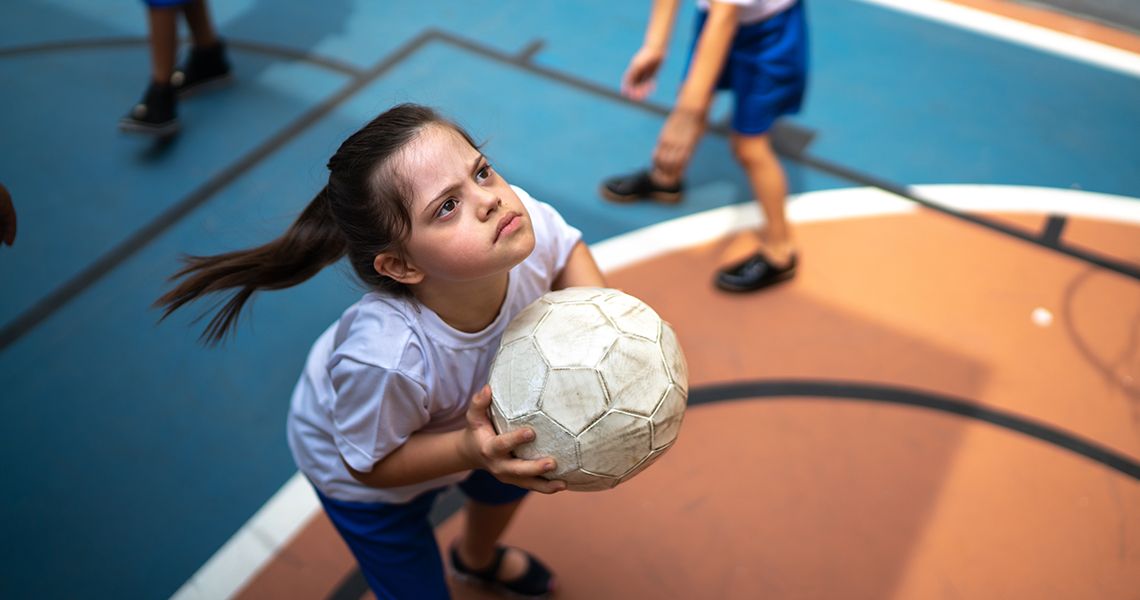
point(492, 452)
point(641, 75)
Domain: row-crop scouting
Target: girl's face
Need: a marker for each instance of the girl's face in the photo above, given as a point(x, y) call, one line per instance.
point(467, 222)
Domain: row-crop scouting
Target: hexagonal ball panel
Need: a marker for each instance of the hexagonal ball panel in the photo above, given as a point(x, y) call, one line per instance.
point(502, 425)
point(524, 323)
point(635, 376)
point(644, 464)
point(574, 335)
point(575, 294)
point(615, 444)
point(581, 481)
point(674, 358)
point(667, 418)
point(551, 440)
point(517, 378)
point(631, 315)
point(574, 398)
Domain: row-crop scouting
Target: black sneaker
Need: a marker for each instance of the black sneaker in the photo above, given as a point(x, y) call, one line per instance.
point(156, 114)
point(754, 273)
point(205, 68)
point(639, 185)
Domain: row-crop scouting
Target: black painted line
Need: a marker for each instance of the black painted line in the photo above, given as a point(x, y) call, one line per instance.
point(820, 164)
point(128, 42)
point(847, 390)
point(528, 53)
point(353, 586)
point(1053, 229)
point(128, 247)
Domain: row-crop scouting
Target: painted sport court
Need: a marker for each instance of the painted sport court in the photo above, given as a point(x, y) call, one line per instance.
point(943, 404)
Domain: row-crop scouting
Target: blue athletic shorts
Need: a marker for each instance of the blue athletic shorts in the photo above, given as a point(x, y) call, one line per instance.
point(395, 544)
point(766, 69)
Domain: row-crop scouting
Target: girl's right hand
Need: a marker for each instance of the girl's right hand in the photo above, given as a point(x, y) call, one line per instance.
point(493, 452)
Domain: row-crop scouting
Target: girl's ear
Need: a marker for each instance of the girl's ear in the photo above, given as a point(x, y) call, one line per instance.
point(398, 268)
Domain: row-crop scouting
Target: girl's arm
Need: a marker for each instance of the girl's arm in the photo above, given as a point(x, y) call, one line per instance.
point(686, 123)
point(580, 270)
point(427, 456)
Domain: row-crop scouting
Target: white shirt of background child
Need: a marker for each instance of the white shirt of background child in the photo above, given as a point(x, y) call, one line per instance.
point(752, 11)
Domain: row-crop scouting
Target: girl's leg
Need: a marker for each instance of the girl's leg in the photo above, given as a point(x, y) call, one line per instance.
point(766, 175)
point(201, 27)
point(394, 544)
point(163, 23)
point(484, 524)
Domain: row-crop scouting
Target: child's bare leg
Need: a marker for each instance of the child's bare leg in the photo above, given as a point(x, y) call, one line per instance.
point(483, 526)
point(201, 27)
point(163, 23)
point(755, 154)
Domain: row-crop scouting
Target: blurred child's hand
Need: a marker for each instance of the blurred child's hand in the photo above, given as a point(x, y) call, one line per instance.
point(678, 139)
point(641, 75)
point(492, 452)
point(7, 218)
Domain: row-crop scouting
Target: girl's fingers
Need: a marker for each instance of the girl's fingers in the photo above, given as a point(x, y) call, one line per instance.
point(477, 408)
point(545, 486)
point(505, 443)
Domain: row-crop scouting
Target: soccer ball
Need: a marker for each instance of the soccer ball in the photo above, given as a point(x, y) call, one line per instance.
point(598, 376)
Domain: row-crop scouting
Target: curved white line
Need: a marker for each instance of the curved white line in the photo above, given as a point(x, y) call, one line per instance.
point(295, 504)
point(1033, 36)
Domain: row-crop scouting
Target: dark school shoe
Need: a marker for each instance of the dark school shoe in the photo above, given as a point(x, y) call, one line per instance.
point(754, 273)
point(206, 68)
point(537, 582)
point(156, 114)
point(637, 186)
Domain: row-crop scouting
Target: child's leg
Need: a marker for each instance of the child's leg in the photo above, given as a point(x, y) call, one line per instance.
point(163, 23)
point(201, 27)
point(483, 526)
point(394, 544)
point(491, 506)
point(766, 175)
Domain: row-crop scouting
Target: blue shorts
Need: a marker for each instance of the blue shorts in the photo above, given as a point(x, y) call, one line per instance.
point(395, 544)
point(766, 69)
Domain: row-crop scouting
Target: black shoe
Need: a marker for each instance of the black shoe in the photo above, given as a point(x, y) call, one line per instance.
point(639, 185)
point(754, 273)
point(205, 68)
point(156, 114)
point(537, 582)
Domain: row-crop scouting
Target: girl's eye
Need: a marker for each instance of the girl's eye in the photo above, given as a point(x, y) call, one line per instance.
point(484, 173)
point(446, 208)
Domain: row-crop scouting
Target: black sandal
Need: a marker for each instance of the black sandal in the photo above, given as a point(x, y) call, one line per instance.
point(537, 582)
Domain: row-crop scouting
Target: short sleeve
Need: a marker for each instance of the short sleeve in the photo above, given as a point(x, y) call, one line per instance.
point(375, 411)
point(554, 237)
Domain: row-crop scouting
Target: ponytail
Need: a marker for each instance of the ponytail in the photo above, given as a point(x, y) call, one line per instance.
point(311, 243)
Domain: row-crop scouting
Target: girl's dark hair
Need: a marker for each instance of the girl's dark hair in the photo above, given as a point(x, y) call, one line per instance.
point(361, 212)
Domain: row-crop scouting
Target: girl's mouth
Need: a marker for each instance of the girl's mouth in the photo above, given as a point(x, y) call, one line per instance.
point(508, 224)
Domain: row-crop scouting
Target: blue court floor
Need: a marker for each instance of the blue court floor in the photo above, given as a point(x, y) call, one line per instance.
point(130, 452)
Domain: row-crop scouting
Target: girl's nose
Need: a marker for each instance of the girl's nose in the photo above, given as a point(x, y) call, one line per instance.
point(489, 202)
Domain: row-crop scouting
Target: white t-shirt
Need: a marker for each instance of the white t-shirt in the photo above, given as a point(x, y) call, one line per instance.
point(752, 11)
point(391, 367)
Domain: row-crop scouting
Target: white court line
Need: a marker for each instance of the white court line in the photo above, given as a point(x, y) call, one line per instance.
point(1033, 36)
point(295, 504)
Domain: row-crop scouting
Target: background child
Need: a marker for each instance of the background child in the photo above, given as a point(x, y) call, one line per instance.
point(757, 49)
point(157, 112)
point(380, 420)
